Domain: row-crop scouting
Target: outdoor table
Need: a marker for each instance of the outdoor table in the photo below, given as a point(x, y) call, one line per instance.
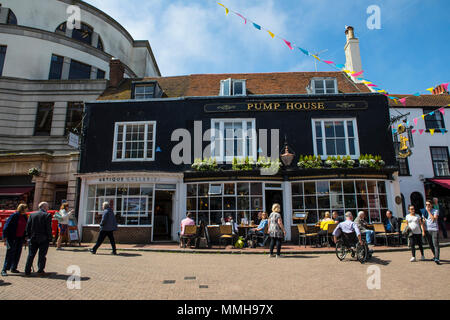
point(246, 228)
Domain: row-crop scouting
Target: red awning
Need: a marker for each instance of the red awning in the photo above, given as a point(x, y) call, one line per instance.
point(11, 191)
point(442, 182)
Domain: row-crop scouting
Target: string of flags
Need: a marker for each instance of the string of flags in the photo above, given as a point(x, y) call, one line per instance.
point(340, 67)
point(421, 131)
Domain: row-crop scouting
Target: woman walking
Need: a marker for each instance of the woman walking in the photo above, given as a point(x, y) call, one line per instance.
point(14, 234)
point(276, 230)
point(63, 219)
point(415, 224)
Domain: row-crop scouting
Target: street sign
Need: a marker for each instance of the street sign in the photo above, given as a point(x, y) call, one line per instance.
point(74, 140)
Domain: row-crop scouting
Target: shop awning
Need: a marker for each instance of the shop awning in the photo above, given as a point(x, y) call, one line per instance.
point(442, 182)
point(14, 191)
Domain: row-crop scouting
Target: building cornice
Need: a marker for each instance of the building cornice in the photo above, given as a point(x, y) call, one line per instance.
point(144, 174)
point(62, 40)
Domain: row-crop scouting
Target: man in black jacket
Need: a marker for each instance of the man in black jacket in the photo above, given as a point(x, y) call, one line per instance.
point(391, 223)
point(107, 227)
point(39, 233)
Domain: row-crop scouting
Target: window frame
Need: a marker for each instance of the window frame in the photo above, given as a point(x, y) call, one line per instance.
point(408, 172)
point(125, 123)
point(12, 18)
point(228, 159)
point(2, 64)
point(145, 96)
point(66, 129)
point(356, 137)
point(324, 79)
point(427, 121)
point(81, 63)
point(231, 83)
point(433, 161)
point(43, 134)
point(51, 64)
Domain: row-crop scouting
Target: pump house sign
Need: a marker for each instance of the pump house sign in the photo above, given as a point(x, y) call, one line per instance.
point(275, 106)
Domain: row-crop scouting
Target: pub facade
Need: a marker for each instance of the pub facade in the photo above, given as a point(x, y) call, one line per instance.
point(224, 145)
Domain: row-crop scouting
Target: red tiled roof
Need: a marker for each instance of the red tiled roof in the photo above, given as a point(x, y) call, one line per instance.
point(256, 83)
point(427, 100)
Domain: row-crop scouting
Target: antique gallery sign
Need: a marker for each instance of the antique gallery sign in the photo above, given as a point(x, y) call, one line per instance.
point(267, 106)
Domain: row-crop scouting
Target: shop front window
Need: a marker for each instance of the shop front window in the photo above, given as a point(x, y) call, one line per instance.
point(132, 204)
point(317, 197)
point(241, 201)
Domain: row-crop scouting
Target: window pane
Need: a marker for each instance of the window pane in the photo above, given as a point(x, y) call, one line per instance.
point(100, 74)
point(323, 202)
point(330, 86)
point(226, 87)
point(351, 144)
point(56, 67)
point(318, 84)
point(339, 127)
point(297, 203)
point(350, 201)
point(340, 147)
point(310, 188)
point(331, 146)
point(83, 34)
point(310, 202)
point(349, 186)
point(229, 188)
point(238, 88)
point(319, 146)
point(243, 189)
point(297, 188)
point(329, 129)
point(44, 119)
point(323, 187)
point(79, 71)
point(74, 117)
point(191, 190)
point(318, 129)
point(350, 130)
point(256, 188)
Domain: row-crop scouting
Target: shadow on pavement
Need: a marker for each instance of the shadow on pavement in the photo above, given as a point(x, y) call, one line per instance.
point(53, 276)
point(4, 284)
point(120, 254)
point(376, 260)
point(303, 256)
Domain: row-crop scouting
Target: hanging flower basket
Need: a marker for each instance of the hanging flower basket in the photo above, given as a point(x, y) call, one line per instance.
point(34, 172)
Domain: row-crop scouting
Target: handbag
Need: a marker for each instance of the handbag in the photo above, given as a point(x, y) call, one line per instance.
point(407, 232)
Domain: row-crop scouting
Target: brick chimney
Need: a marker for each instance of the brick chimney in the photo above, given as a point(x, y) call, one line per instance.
point(352, 54)
point(116, 72)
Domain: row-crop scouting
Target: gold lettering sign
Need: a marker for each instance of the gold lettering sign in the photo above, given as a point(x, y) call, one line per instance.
point(292, 105)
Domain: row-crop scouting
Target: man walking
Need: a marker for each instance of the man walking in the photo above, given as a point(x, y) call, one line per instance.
point(442, 219)
point(39, 233)
point(107, 226)
point(430, 216)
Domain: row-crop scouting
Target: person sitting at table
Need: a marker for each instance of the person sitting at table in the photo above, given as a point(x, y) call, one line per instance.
point(391, 223)
point(234, 225)
point(324, 224)
point(260, 229)
point(362, 225)
point(188, 221)
point(337, 218)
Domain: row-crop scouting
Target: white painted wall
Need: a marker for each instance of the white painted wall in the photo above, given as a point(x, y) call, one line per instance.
point(420, 162)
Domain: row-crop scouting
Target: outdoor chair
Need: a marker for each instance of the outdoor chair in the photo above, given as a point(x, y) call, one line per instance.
point(331, 228)
point(303, 234)
point(380, 231)
point(226, 233)
point(264, 237)
point(190, 233)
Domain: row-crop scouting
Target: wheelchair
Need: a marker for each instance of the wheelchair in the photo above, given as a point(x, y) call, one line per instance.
point(348, 243)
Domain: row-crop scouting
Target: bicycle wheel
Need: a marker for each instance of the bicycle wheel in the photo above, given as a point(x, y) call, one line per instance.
point(341, 250)
point(361, 252)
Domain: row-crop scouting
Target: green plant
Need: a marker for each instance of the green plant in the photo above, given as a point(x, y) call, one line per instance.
point(338, 162)
point(243, 164)
point(34, 172)
point(205, 164)
point(370, 161)
point(309, 162)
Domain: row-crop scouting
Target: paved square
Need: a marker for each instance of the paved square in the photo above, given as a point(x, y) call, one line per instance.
point(148, 275)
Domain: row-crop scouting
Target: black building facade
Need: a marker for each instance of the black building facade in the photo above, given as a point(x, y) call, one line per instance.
point(138, 155)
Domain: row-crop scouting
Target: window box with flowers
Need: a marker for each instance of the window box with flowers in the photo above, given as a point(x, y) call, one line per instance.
point(205, 165)
point(370, 161)
point(338, 162)
point(310, 162)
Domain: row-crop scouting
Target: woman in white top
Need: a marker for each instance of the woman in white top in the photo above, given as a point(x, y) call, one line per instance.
point(415, 224)
point(64, 216)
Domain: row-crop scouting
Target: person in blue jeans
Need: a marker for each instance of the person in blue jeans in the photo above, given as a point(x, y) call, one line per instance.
point(430, 217)
point(362, 225)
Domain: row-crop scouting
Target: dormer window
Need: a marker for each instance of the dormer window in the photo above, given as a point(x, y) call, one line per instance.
point(323, 85)
point(146, 90)
point(232, 87)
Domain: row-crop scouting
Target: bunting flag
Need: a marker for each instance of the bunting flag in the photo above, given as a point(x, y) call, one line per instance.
point(245, 19)
point(415, 122)
point(226, 9)
point(443, 131)
point(257, 26)
point(423, 117)
point(432, 131)
point(304, 51)
point(421, 131)
point(331, 63)
point(413, 131)
point(288, 44)
point(442, 110)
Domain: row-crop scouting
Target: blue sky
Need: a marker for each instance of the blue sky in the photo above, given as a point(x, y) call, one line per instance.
point(408, 54)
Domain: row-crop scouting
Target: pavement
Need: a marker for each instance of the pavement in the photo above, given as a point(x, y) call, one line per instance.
point(161, 275)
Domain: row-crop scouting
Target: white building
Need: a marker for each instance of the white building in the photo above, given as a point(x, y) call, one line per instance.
point(47, 72)
point(425, 174)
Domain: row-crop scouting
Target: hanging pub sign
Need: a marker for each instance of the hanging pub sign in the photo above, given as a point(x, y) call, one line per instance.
point(404, 150)
point(74, 140)
point(296, 105)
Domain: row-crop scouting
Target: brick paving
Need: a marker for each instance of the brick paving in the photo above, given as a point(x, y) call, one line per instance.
point(159, 275)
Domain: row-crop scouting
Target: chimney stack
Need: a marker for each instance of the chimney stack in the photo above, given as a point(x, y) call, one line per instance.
point(116, 72)
point(352, 54)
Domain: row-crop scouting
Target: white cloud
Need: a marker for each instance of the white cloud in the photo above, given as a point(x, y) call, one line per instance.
point(197, 37)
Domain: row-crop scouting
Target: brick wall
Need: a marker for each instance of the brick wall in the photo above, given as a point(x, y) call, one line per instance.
point(125, 235)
